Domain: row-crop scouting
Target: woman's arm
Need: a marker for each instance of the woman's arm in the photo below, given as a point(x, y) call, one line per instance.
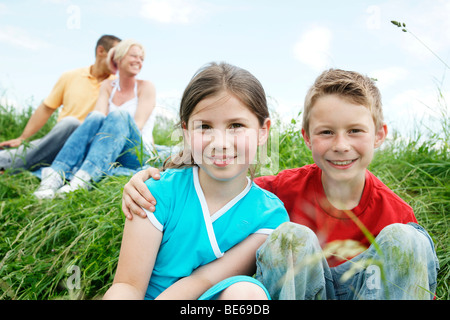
point(140, 245)
point(146, 103)
point(239, 260)
point(102, 104)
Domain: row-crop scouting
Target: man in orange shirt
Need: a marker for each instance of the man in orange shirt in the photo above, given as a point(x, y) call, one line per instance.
point(77, 91)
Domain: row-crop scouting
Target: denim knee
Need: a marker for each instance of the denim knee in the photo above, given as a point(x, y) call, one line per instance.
point(118, 115)
point(408, 237)
point(294, 237)
point(291, 264)
point(96, 115)
point(409, 257)
point(70, 123)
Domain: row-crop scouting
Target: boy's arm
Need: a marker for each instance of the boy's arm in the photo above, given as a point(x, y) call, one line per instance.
point(140, 245)
point(37, 120)
point(239, 260)
point(136, 194)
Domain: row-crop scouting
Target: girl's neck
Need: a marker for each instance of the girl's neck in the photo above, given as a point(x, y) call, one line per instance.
point(218, 193)
point(343, 195)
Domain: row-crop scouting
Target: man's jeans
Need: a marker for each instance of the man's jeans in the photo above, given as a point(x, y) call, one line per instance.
point(401, 265)
point(40, 152)
point(100, 144)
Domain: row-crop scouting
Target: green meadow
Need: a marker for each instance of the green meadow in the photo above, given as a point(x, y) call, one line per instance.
point(46, 246)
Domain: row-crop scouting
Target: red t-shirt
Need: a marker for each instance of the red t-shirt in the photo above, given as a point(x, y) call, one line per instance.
point(302, 193)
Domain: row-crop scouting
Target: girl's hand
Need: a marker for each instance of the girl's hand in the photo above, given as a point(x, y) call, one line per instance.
point(136, 194)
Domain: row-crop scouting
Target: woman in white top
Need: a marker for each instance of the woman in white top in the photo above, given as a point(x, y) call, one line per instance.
point(118, 131)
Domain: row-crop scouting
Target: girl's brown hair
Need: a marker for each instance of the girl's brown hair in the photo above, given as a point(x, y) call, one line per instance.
point(211, 80)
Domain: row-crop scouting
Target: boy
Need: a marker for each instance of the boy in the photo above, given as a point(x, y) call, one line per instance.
point(337, 207)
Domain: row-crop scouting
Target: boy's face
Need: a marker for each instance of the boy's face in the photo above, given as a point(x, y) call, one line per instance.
point(342, 138)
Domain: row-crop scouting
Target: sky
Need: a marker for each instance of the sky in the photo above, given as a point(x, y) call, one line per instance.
point(286, 44)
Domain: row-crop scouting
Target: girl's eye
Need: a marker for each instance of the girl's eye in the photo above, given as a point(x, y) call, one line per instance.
point(236, 126)
point(204, 127)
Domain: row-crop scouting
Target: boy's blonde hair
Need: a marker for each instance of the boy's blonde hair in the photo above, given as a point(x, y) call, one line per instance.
point(120, 50)
point(349, 85)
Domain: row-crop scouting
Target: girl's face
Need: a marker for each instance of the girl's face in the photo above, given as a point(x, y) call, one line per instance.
point(223, 135)
point(132, 62)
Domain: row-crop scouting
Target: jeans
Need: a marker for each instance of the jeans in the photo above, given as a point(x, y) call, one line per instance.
point(40, 152)
point(100, 144)
point(400, 265)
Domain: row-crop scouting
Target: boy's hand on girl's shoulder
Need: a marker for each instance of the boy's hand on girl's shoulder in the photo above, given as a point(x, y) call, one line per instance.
point(137, 196)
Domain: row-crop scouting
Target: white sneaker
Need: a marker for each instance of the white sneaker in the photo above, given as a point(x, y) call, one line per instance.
point(51, 181)
point(81, 180)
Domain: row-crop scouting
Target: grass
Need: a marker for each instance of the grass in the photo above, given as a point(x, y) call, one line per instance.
point(40, 241)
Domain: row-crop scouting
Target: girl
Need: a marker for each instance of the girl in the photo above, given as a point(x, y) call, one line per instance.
point(120, 124)
point(211, 218)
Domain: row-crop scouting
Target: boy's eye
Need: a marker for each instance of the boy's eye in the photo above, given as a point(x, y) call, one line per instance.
point(355, 130)
point(326, 132)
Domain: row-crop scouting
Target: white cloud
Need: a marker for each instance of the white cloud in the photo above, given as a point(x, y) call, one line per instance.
point(3, 9)
point(313, 49)
point(173, 11)
point(418, 103)
point(21, 38)
point(389, 76)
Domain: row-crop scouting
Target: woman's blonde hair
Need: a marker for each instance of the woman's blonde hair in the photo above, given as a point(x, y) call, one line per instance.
point(120, 50)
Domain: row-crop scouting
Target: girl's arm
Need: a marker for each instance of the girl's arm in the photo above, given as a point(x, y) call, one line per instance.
point(239, 260)
point(102, 104)
point(140, 244)
point(146, 103)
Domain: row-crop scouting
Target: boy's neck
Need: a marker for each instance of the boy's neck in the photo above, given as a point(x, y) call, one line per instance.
point(219, 193)
point(344, 195)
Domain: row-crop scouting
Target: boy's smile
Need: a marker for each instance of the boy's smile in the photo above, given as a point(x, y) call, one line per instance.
point(342, 138)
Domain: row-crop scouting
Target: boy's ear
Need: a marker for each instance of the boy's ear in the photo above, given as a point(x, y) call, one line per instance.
point(264, 132)
point(306, 138)
point(380, 135)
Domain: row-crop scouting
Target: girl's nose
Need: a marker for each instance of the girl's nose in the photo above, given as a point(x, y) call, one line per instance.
point(220, 139)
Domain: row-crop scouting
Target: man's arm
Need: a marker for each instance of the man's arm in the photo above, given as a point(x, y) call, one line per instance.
point(37, 120)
